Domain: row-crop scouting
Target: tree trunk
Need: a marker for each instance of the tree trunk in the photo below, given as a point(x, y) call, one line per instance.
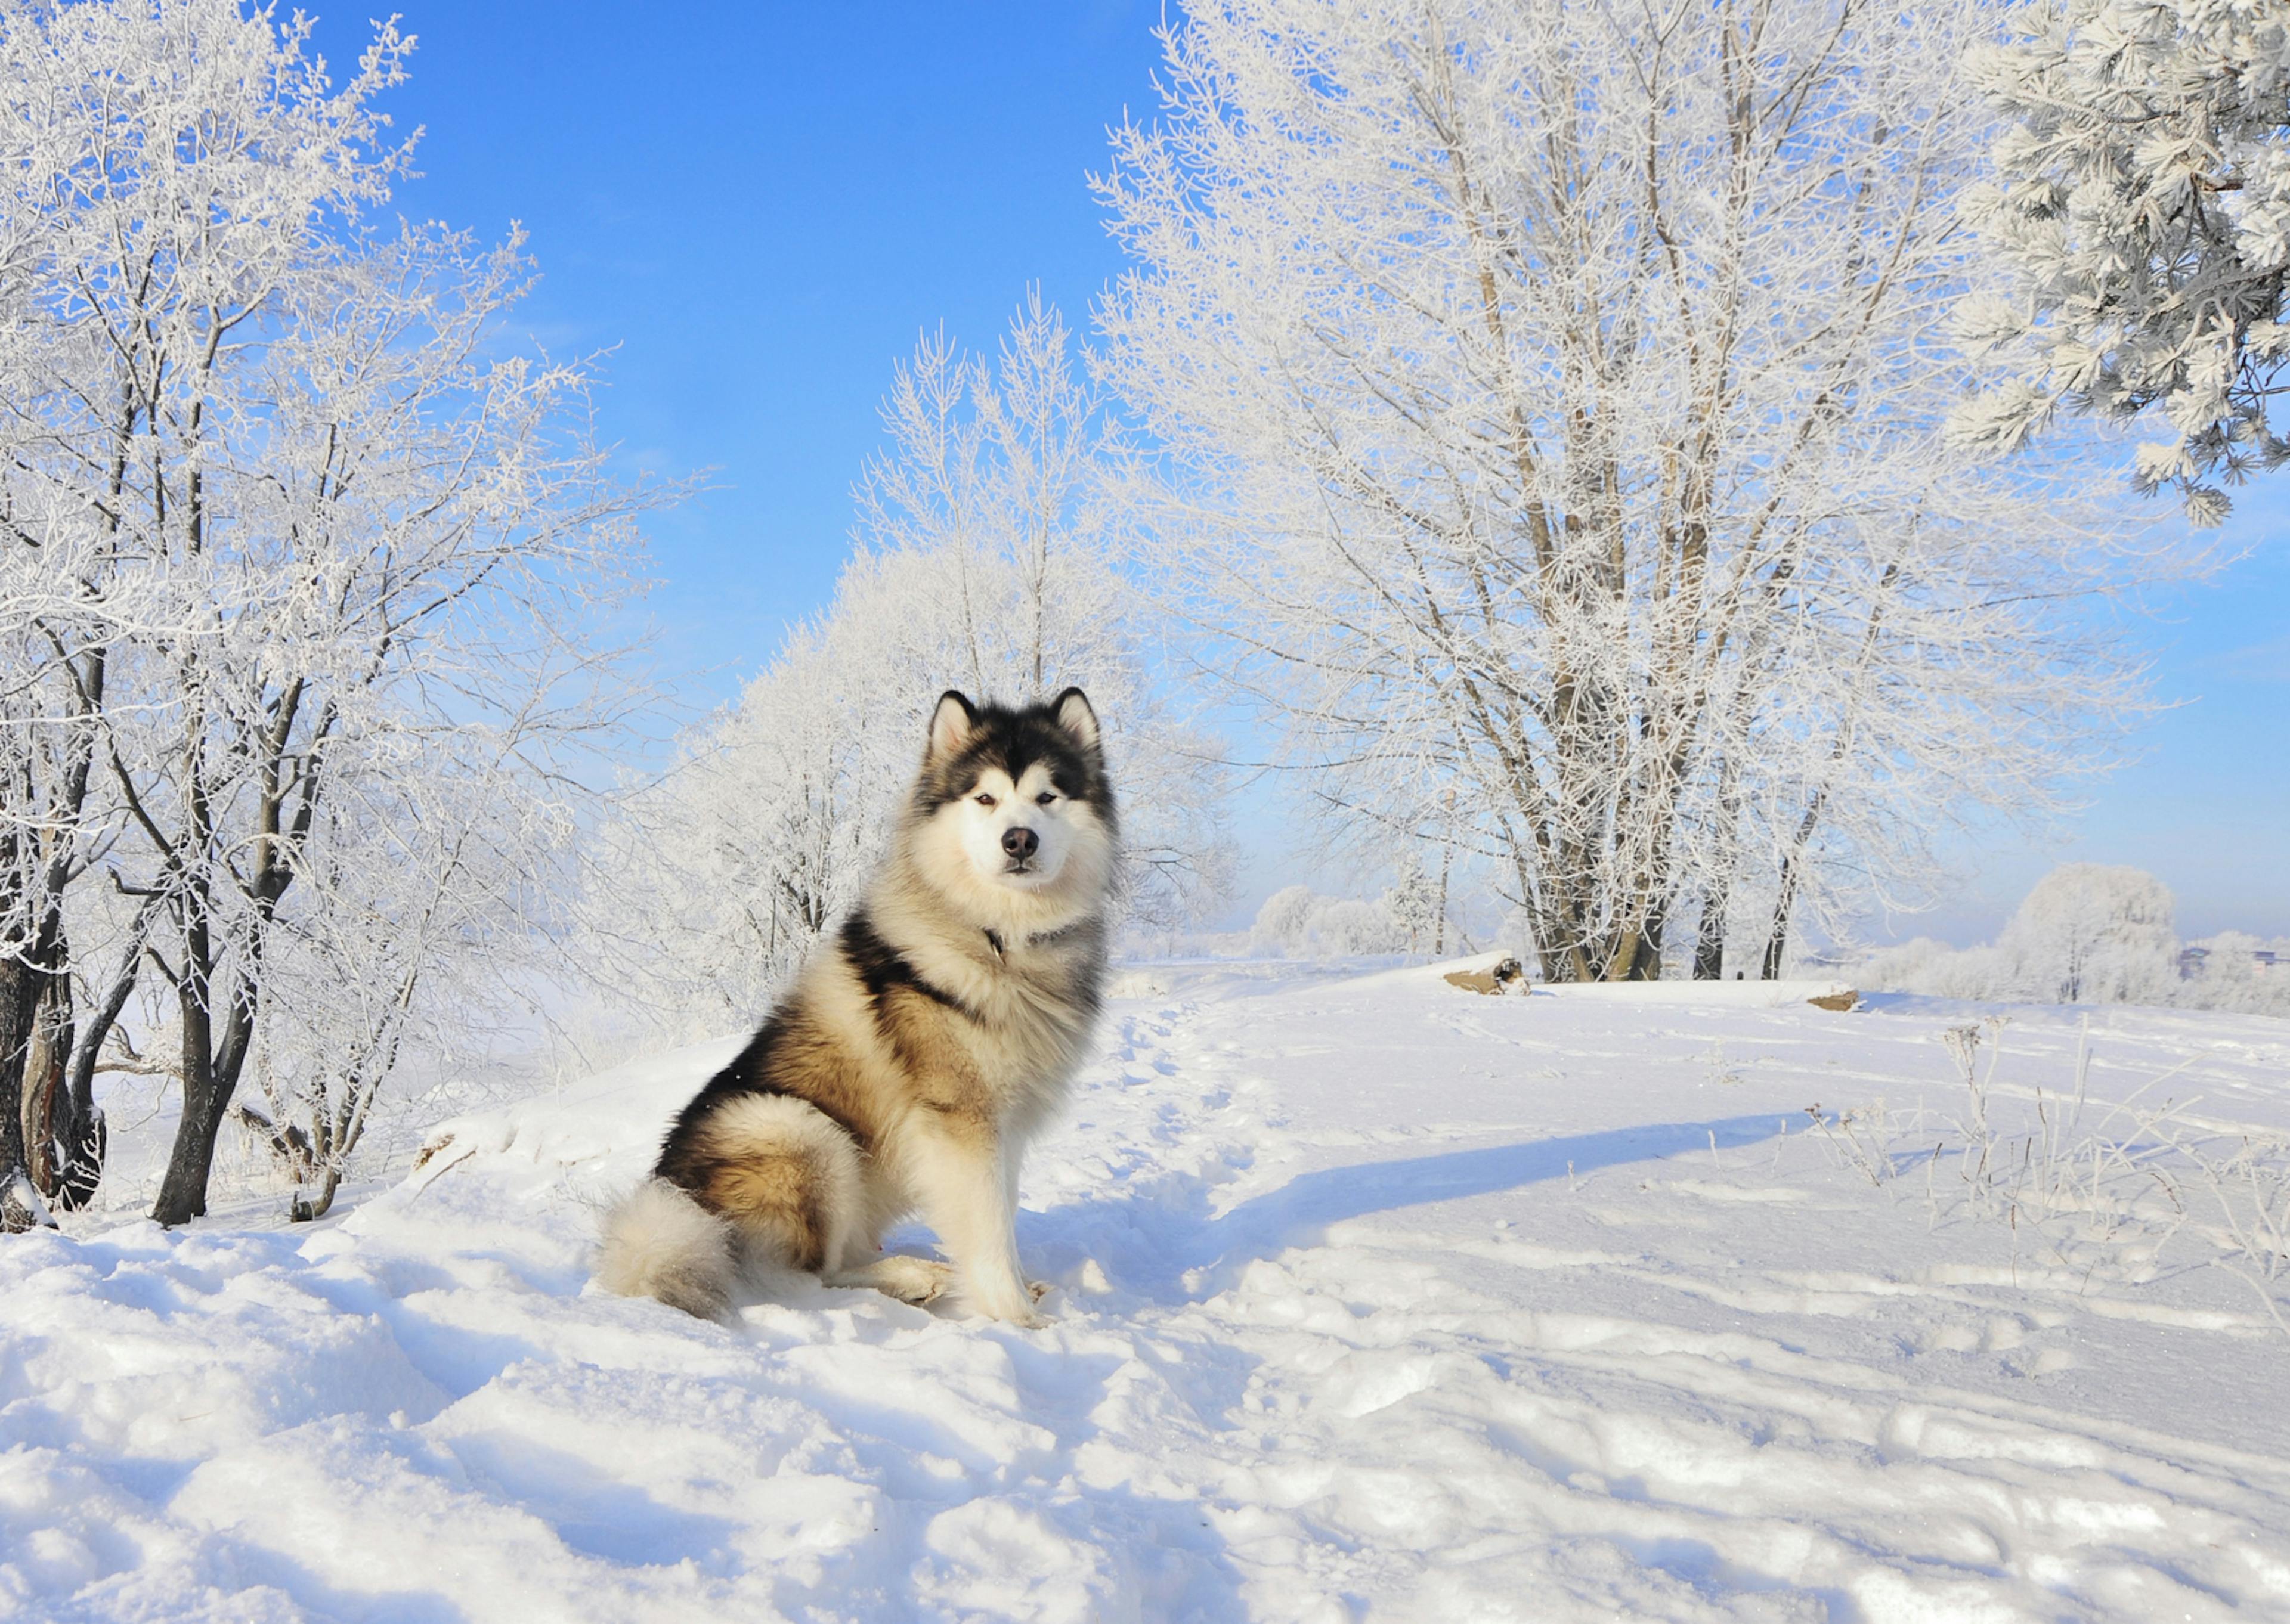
point(19, 1207)
point(1709, 936)
point(1439, 928)
point(88, 1139)
point(305, 1209)
point(89, 1142)
point(1645, 964)
point(1786, 899)
point(210, 1071)
point(210, 1077)
point(47, 1050)
point(1717, 893)
point(183, 1192)
point(17, 997)
point(47, 1046)
point(1777, 941)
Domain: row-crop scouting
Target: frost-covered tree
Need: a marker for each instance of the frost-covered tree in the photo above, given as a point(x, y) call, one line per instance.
point(989, 551)
point(2140, 210)
point(709, 885)
point(1554, 395)
point(1416, 905)
point(1284, 919)
point(319, 548)
point(2088, 933)
point(993, 539)
point(2084, 933)
point(415, 903)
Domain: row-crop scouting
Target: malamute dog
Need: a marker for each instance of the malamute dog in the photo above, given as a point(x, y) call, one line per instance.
point(919, 1048)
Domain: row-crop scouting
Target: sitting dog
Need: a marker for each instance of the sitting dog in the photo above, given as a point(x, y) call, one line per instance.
point(919, 1048)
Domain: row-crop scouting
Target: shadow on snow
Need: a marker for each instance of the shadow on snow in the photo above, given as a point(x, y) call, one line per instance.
point(1156, 1237)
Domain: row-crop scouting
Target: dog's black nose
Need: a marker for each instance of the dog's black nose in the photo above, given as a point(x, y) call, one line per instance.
point(1021, 844)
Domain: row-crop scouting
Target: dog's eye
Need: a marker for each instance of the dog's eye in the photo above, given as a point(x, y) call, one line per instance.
point(987, 801)
point(1045, 798)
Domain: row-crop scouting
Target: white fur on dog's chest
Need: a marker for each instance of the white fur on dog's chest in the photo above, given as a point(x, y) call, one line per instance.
point(1022, 1017)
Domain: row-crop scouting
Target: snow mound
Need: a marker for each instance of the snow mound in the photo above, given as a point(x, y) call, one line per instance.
point(610, 1125)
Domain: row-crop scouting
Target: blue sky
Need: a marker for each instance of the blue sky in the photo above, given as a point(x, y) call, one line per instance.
point(762, 205)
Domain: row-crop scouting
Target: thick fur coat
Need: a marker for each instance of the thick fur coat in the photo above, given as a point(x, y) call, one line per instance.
point(921, 1047)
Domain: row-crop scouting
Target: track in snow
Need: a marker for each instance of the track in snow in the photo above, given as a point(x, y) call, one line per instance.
point(1341, 1334)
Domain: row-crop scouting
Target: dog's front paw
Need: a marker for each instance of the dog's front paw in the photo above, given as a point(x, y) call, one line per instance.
point(1016, 1308)
point(1039, 1289)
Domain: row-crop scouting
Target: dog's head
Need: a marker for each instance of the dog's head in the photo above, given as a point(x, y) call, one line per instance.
point(1016, 817)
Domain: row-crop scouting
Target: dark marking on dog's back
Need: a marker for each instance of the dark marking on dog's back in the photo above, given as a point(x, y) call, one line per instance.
point(880, 966)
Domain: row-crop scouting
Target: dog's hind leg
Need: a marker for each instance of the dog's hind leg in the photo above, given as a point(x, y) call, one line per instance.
point(785, 1176)
point(915, 1280)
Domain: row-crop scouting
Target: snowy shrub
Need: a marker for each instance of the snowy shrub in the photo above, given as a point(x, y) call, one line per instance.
point(1904, 967)
point(1297, 923)
point(2094, 1187)
point(1348, 928)
point(1936, 970)
point(2226, 972)
point(2088, 933)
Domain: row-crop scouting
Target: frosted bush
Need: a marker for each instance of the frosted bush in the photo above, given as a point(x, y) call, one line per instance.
point(1295, 923)
point(2231, 976)
point(2091, 934)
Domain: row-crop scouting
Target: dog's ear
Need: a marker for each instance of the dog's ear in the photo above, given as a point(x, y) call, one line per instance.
point(1073, 712)
point(950, 726)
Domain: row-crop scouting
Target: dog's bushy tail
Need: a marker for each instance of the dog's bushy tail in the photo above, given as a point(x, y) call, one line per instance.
point(660, 1242)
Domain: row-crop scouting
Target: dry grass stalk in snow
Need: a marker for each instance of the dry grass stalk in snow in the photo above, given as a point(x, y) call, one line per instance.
point(2101, 1189)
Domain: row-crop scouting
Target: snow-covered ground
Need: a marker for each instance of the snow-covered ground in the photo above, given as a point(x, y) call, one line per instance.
point(1377, 1299)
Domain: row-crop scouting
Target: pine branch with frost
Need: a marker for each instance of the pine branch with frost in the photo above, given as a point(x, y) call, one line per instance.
point(2141, 206)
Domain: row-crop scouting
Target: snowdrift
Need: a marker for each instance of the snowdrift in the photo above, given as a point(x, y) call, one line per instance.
point(1374, 1298)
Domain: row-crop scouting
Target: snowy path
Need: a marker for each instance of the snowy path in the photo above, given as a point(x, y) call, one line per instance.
point(1341, 1335)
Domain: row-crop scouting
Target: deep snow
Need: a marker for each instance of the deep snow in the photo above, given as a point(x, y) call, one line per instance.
point(1377, 1299)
